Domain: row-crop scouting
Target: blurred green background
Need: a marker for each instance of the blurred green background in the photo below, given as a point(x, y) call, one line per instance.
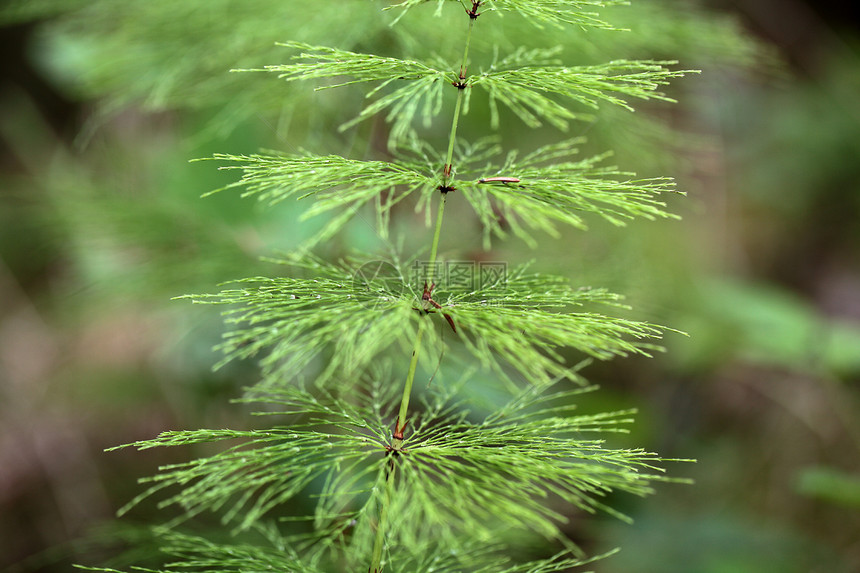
point(102, 105)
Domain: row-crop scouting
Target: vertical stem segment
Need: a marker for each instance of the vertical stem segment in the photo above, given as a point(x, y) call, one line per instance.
point(407, 389)
point(379, 542)
point(431, 268)
point(400, 424)
point(449, 158)
point(452, 138)
point(447, 177)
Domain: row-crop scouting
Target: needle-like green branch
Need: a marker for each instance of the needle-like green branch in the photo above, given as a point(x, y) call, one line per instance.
point(487, 475)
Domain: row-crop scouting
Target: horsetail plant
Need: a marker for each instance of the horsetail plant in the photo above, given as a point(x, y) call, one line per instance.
point(445, 476)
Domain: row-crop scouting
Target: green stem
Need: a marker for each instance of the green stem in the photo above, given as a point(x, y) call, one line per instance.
point(400, 424)
point(416, 347)
point(438, 232)
point(379, 542)
point(448, 172)
point(448, 175)
point(452, 138)
point(407, 387)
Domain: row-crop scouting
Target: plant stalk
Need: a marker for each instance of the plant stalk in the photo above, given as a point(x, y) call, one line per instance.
point(379, 542)
point(452, 138)
point(400, 424)
point(431, 268)
point(447, 177)
point(407, 387)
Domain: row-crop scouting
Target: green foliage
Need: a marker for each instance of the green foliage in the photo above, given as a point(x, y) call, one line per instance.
point(337, 445)
point(352, 475)
point(333, 181)
point(196, 553)
point(553, 188)
point(520, 88)
point(547, 189)
point(128, 53)
point(341, 322)
point(518, 81)
point(556, 12)
point(830, 484)
point(423, 89)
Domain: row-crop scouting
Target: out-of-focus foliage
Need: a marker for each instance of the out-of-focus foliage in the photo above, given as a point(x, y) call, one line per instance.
point(174, 55)
point(834, 486)
point(769, 326)
point(95, 238)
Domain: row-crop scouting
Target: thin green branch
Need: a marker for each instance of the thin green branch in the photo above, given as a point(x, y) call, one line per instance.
point(523, 87)
point(437, 232)
point(402, 415)
point(332, 180)
point(487, 476)
point(336, 184)
point(461, 86)
point(422, 94)
point(325, 62)
point(381, 526)
point(524, 322)
point(548, 187)
point(555, 12)
point(296, 321)
point(558, 12)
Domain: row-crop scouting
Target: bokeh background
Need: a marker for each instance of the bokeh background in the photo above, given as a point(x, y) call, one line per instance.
point(102, 105)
